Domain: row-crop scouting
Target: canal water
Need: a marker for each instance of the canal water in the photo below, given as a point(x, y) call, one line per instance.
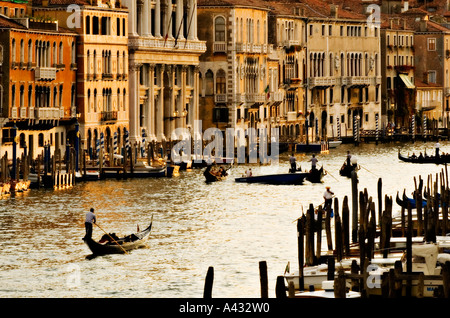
point(227, 225)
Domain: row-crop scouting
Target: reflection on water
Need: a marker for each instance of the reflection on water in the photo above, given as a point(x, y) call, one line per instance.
point(226, 225)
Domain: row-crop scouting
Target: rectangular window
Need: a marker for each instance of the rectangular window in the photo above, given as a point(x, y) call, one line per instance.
point(431, 76)
point(432, 44)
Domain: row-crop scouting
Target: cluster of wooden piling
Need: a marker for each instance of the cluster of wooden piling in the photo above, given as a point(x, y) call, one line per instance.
point(366, 226)
point(14, 181)
point(358, 242)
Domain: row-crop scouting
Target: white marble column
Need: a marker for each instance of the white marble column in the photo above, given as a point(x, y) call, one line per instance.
point(145, 17)
point(133, 107)
point(179, 26)
point(151, 129)
point(158, 18)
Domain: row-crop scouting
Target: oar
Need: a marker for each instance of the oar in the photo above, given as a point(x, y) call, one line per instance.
point(111, 238)
point(330, 174)
point(368, 170)
point(315, 208)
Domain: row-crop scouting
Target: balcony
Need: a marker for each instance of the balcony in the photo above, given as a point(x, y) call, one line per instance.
point(48, 113)
point(276, 97)
point(220, 47)
point(220, 98)
point(291, 116)
point(108, 116)
point(321, 81)
point(356, 80)
point(45, 73)
point(255, 98)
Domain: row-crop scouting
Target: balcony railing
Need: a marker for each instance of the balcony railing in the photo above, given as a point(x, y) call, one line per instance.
point(45, 73)
point(220, 47)
point(108, 116)
point(321, 81)
point(220, 98)
point(48, 113)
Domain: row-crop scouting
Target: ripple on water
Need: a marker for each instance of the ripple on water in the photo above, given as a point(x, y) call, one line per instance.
point(229, 226)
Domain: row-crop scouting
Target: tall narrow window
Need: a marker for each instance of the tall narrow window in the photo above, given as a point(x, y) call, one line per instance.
point(219, 27)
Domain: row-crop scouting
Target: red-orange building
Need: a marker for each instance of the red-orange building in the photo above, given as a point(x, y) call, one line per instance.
point(37, 83)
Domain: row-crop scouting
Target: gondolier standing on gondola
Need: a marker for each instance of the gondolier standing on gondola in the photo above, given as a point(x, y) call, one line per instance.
point(437, 146)
point(328, 196)
point(90, 219)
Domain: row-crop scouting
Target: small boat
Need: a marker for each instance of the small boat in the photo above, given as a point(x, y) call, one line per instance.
point(412, 202)
point(213, 177)
point(425, 159)
point(334, 143)
point(346, 170)
point(327, 291)
point(275, 179)
point(111, 244)
point(315, 175)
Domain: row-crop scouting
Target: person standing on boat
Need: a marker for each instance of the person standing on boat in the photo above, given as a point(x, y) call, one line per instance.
point(349, 157)
point(437, 146)
point(314, 161)
point(90, 219)
point(293, 163)
point(328, 196)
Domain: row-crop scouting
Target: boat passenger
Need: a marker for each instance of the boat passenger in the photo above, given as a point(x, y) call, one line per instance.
point(249, 172)
point(413, 156)
point(420, 155)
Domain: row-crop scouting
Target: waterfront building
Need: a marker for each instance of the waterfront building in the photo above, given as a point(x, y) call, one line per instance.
point(163, 67)
point(102, 67)
point(343, 73)
point(432, 70)
point(37, 83)
point(234, 70)
point(398, 93)
point(286, 71)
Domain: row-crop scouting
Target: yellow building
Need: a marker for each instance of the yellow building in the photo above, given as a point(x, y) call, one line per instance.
point(343, 73)
point(102, 66)
point(234, 70)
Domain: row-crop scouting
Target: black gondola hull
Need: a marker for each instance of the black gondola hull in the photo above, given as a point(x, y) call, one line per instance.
point(121, 246)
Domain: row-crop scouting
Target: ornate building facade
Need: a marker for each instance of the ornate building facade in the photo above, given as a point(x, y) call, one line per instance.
point(102, 67)
point(163, 65)
point(38, 84)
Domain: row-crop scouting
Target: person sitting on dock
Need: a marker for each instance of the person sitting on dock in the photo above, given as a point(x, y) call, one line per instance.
point(313, 161)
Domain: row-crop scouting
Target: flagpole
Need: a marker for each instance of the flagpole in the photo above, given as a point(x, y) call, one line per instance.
point(190, 22)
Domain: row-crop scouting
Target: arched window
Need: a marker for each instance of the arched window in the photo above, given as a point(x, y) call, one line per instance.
point(61, 53)
point(88, 25)
point(30, 51)
point(219, 28)
point(22, 51)
point(209, 83)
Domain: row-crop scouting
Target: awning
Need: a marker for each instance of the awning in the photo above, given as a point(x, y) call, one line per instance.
point(407, 81)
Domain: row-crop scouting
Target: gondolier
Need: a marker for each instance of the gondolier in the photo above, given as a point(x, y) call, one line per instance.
point(90, 219)
point(328, 196)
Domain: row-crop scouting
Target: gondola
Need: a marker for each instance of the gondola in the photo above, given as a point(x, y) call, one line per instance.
point(275, 179)
point(119, 245)
point(404, 203)
point(315, 175)
point(425, 159)
point(346, 170)
point(210, 177)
